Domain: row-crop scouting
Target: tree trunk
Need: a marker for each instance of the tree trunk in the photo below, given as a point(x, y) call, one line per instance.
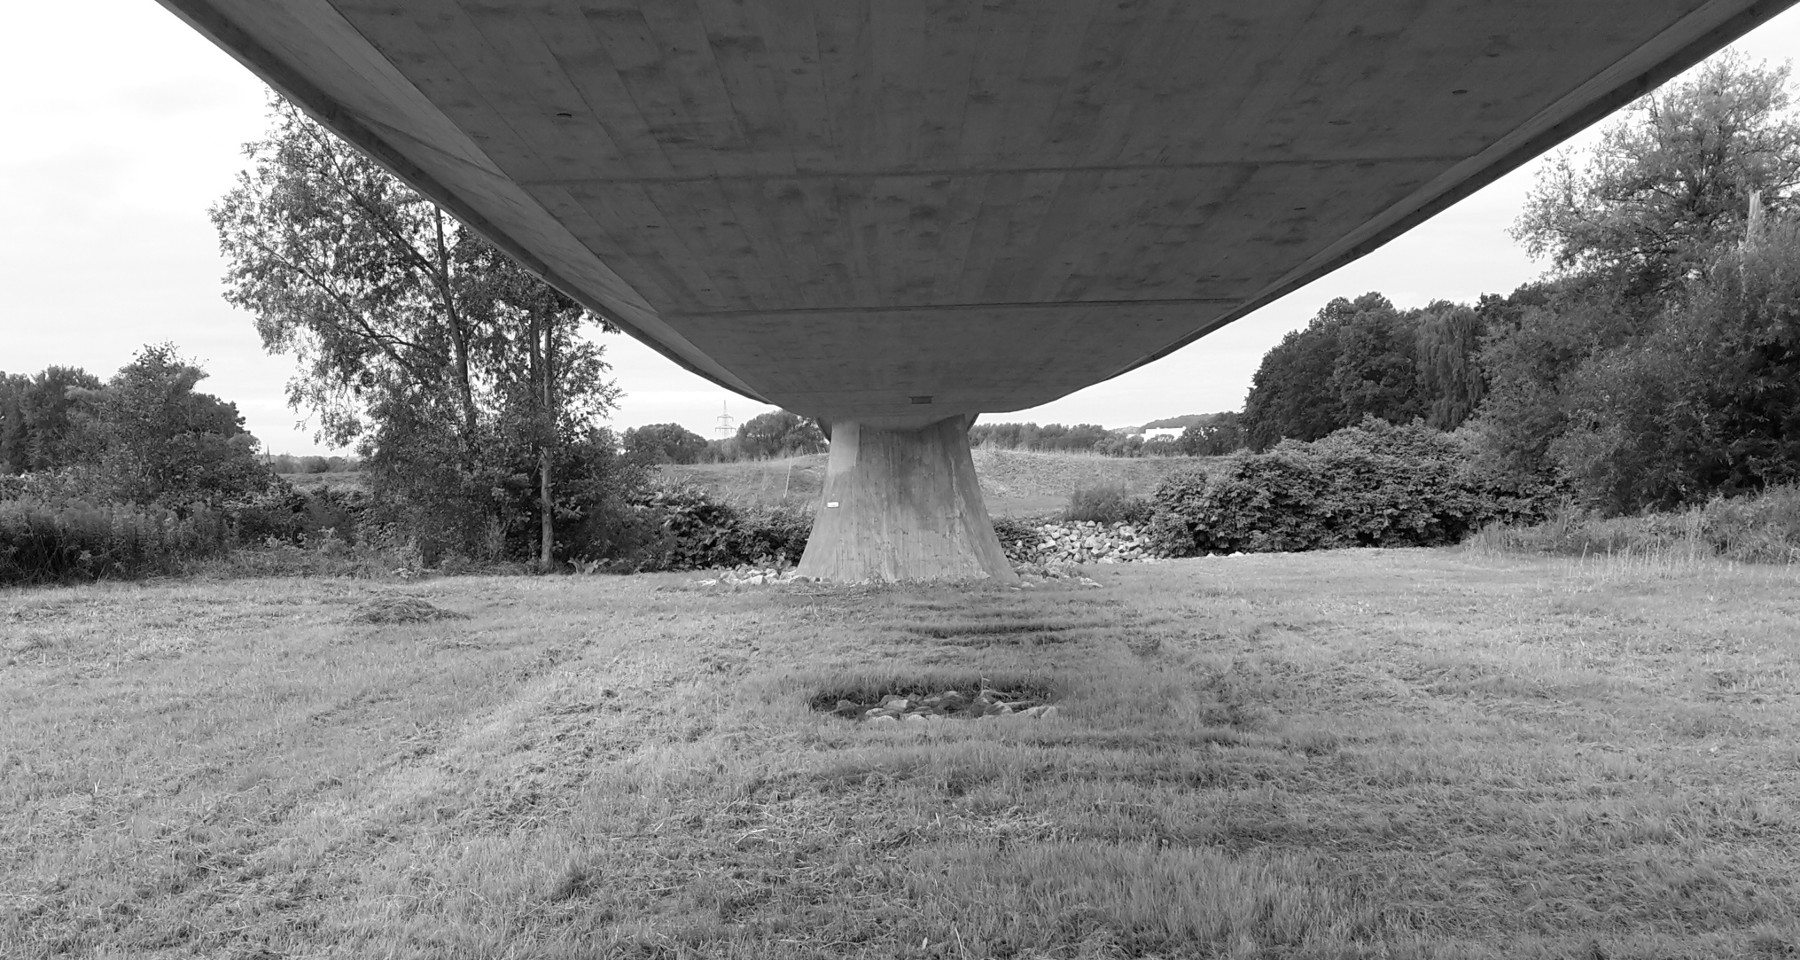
point(903, 505)
point(459, 337)
point(546, 503)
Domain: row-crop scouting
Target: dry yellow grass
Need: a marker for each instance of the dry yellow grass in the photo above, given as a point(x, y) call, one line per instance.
point(1353, 754)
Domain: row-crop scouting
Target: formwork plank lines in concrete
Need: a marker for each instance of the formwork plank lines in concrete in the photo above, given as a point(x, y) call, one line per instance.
point(950, 49)
point(846, 55)
point(1055, 42)
point(702, 117)
point(604, 231)
point(739, 43)
point(740, 268)
point(669, 108)
point(537, 96)
point(1009, 273)
point(646, 235)
point(442, 54)
point(790, 35)
point(569, 35)
point(991, 77)
point(1106, 76)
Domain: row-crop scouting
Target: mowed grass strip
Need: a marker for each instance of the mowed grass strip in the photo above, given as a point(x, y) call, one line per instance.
point(1353, 754)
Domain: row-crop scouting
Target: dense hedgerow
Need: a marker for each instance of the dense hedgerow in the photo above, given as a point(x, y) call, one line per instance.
point(71, 541)
point(1374, 484)
point(51, 533)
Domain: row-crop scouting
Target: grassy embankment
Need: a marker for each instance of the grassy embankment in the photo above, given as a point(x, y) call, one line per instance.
point(1408, 753)
point(1015, 483)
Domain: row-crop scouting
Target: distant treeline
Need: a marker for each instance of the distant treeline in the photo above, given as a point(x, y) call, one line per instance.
point(1361, 358)
point(291, 464)
point(1207, 434)
point(776, 434)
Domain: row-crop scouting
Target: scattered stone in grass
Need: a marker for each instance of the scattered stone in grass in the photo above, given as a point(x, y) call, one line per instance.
point(1032, 575)
point(161, 647)
point(753, 576)
point(973, 704)
point(401, 610)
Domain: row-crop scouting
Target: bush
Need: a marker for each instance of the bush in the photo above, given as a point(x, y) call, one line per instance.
point(1374, 484)
point(684, 528)
point(72, 541)
point(773, 537)
point(1108, 503)
point(286, 515)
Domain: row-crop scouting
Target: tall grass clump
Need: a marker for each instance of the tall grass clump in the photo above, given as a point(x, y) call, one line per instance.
point(1106, 503)
point(72, 541)
point(1759, 528)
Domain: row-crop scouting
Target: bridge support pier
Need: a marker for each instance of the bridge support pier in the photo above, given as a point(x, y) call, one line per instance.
point(903, 505)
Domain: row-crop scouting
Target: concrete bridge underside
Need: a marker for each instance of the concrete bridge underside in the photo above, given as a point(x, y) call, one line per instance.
point(895, 215)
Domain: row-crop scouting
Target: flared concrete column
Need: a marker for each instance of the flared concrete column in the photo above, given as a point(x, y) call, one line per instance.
point(903, 505)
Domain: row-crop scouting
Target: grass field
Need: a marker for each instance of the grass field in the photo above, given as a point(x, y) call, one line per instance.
point(1350, 754)
point(1015, 483)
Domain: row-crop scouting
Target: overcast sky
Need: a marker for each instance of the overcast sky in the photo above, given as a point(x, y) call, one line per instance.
point(122, 127)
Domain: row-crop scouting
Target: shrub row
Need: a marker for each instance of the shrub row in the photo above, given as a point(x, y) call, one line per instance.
point(1759, 528)
point(1374, 484)
point(50, 535)
point(72, 541)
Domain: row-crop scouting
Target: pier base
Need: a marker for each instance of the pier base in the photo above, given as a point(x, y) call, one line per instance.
point(903, 505)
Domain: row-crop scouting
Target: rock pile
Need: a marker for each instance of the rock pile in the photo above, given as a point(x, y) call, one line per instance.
point(750, 576)
point(947, 705)
point(1085, 541)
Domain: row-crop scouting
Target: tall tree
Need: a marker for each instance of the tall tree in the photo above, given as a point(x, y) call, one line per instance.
point(1349, 358)
point(454, 367)
point(779, 434)
point(664, 443)
point(35, 427)
point(1215, 435)
point(147, 436)
point(1671, 178)
point(1376, 370)
point(1654, 371)
point(547, 383)
point(1450, 380)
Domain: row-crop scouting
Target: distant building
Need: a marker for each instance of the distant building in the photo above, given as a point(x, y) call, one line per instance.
point(1162, 433)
